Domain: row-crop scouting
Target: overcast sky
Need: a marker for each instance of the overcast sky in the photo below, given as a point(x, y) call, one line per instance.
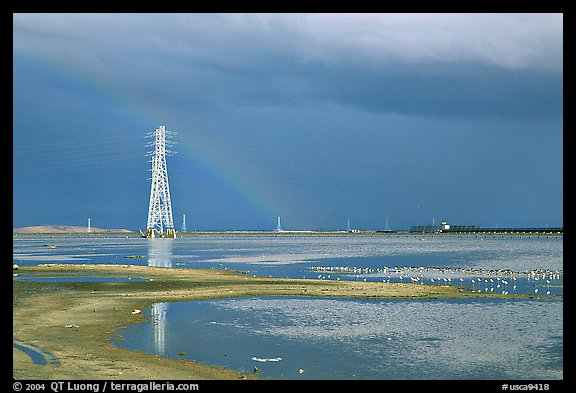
point(317, 118)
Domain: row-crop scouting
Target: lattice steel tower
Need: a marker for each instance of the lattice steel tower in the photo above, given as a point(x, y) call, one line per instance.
point(160, 222)
point(184, 229)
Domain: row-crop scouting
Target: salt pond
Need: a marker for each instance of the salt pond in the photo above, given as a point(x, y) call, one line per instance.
point(314, 338)
point(528, 265)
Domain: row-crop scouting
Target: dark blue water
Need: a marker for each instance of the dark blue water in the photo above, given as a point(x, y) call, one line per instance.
point(38, 355)
point(313, 338)
point(303, 338)
point(527, 265)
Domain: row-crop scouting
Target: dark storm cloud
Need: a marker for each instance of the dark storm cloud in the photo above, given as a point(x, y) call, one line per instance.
point(462, 65)
point(377, 113)
point(484, 92)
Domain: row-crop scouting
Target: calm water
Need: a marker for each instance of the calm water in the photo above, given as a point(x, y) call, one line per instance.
point(512, 264)
point(348, 339)
point(310, 338)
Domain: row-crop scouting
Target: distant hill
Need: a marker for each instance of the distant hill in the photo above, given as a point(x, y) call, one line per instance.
point(63, 229)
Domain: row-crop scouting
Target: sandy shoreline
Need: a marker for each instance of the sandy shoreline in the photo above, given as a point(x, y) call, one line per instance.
point(74, 321)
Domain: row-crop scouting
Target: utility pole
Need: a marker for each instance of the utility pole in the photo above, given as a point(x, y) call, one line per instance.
point(184, 229)
point(160, 207)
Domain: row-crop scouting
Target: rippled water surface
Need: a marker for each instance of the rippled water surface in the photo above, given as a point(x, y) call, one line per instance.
point(313, 338)
point(526, 264)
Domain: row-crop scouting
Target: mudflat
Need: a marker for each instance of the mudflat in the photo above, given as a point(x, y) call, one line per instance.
point(70, 323)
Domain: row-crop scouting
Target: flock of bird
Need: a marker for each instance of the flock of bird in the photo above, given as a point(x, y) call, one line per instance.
point(479, 280)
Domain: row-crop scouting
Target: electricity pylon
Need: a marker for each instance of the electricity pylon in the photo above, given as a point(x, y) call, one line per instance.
point(184, 229)
point(160, 207)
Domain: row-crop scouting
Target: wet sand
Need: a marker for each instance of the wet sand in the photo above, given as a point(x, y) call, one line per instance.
point(73, 322)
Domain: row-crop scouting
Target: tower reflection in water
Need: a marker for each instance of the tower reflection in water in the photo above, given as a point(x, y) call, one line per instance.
point(160, 255)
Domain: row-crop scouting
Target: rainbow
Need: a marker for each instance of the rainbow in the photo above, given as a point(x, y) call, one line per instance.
point(245, 183)
point(242, 177)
